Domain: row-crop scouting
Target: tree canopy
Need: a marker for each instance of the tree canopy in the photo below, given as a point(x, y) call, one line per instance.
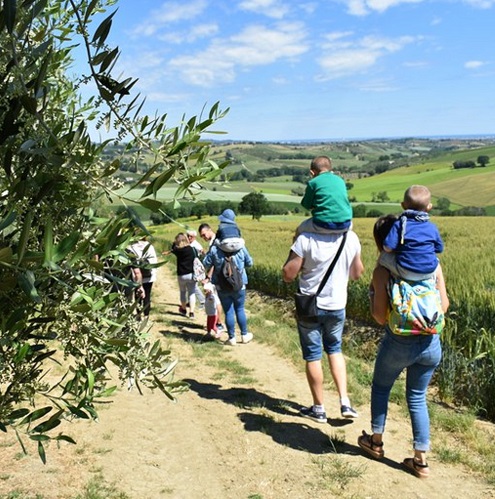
point(254, 203)
point(56, 306)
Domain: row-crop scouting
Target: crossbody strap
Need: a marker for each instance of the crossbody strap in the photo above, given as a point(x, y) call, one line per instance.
point(332, 265)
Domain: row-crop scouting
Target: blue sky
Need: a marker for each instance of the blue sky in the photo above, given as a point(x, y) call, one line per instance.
point(333, 69)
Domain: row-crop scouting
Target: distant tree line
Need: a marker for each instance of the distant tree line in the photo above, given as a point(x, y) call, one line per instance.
point(298, 174)
point(257, 205)
point(481, 161)
point(254, 204)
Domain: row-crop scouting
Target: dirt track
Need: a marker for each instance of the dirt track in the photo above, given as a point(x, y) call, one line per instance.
point(235, 434)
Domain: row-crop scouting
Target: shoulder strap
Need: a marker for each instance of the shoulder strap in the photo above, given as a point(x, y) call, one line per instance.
point(332, 265)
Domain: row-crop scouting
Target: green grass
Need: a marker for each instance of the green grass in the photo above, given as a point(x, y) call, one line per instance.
point(336, 473)
point(98, 488)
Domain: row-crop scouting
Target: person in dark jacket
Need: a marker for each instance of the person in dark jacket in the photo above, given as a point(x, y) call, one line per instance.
point(185, 255)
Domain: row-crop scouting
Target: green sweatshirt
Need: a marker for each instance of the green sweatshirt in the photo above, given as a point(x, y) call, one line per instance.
point(326, 197)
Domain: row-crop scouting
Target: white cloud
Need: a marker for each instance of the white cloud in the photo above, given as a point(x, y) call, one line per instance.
point(474, 64)
point(271, 8)
point(169, 13)
point(481, 4)
point(255, 46)
point(416, 64)
point(190, 35)
point(166, 98)
point(308, 7)
point(280, 80)
point(364, 7)
point(344, 57)
point(378, 86)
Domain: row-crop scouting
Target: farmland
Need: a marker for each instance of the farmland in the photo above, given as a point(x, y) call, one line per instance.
point(467, 374)
point(411, 161)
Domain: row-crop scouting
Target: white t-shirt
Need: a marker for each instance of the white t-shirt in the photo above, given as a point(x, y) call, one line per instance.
point(138, 248)
point(317, 252)
point(211, 303)
point(197, 246)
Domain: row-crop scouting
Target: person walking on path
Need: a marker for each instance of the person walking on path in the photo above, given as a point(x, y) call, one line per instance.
point(207, 234)
point(310, 257)
point(187, 285)
point(191, 236)
point(232, 300)
point(419, 353)
point(145, 252)
point(211, 310)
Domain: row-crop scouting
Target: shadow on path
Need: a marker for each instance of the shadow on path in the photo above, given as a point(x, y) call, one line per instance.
point(297, 435)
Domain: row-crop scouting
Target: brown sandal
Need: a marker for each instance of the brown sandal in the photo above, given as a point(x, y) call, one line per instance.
point(417, 469)
point(371, 448)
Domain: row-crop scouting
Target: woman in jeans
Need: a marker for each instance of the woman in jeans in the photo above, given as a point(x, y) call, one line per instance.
point(232, 301)
point(418, 354)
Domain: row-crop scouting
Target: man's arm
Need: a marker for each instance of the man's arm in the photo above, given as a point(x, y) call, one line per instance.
point(292, 267)
point(357, 268)
point(137, 277)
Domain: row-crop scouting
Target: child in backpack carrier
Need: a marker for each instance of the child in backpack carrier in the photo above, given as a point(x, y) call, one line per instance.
point(211, 309)
point(411, 246)
point(228, 237)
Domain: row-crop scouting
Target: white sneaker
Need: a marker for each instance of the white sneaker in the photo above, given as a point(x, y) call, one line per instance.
point(246, 338)
point(231, 342)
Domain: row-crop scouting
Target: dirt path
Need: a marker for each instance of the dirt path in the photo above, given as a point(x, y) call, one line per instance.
point(235, 434)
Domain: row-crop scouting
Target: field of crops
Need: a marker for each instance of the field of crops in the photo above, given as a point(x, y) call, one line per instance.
point(467, 374)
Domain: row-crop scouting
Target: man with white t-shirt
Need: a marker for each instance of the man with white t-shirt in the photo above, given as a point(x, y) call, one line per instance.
point(310, 256)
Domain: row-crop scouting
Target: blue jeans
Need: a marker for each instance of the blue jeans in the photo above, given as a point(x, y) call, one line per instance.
point(326, 334)
point(233, 307)
point(419, 355)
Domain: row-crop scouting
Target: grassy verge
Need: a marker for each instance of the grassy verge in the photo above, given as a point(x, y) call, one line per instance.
point(458, 437)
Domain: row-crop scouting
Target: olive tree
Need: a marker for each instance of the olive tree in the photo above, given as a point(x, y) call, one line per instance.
point(55, 307)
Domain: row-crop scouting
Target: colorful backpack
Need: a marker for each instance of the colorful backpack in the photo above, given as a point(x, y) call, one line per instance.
point(416, 307)
point(199, 272)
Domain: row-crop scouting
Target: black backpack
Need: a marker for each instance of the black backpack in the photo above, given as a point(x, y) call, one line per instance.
point(144, 265)
point(230, 275)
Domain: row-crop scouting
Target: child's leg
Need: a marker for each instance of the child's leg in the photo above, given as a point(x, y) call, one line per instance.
point(388, 260)
point(231, 244)
point(211, 324)
point(305, 226)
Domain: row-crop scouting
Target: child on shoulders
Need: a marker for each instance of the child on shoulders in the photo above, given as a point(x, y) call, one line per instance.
point(326, 197)
point(228, 237)
point(411, 246)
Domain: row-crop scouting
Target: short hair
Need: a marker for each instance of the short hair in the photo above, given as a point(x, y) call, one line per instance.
point(203, 226)
point(181, 240)
point(191, 232)
point(382, 228)
point(417, 197)
point(321, 164)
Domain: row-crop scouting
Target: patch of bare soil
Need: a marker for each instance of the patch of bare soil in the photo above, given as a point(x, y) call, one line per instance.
point(235, 434)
